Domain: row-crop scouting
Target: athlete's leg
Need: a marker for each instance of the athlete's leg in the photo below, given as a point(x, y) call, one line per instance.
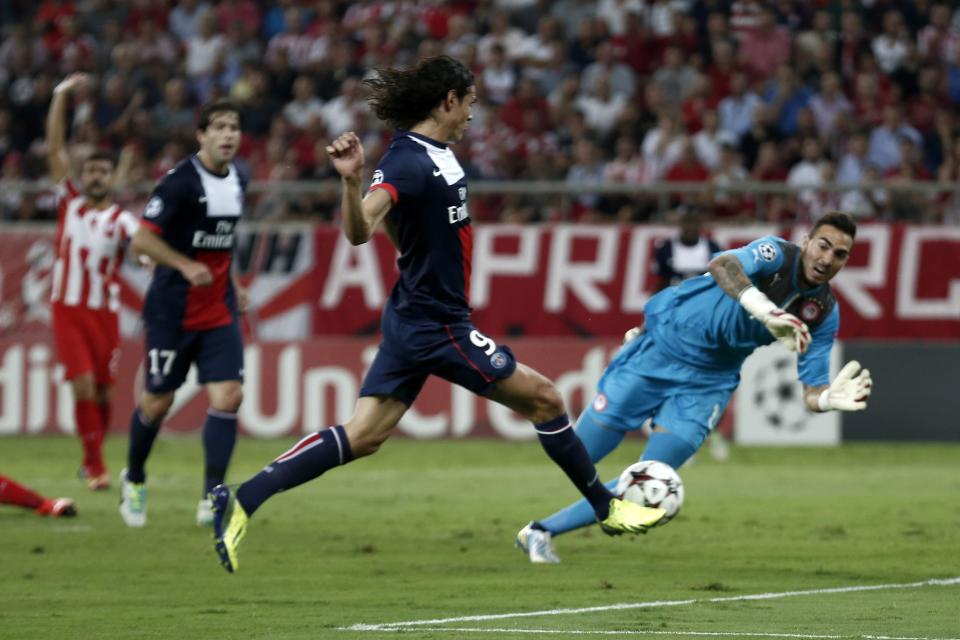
point(220, 430)
point(682, 424)
point(144, 427)
point(534, 397)
point(89, 421)
point(105, 401)
point(600, 440)
point(372, 423)
point(665, 446)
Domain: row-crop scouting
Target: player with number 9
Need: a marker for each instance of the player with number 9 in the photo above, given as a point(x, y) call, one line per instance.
point(419, 193)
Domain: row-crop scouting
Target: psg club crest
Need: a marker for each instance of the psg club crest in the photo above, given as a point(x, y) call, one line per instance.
point(600, 403)
point(810, 310)
point(498, 360)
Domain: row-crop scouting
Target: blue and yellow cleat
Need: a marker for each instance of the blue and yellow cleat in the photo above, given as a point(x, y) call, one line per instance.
point(630, 517)
point(229, 525)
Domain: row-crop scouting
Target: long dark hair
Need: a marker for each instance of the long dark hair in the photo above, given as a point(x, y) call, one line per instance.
point(403, 97)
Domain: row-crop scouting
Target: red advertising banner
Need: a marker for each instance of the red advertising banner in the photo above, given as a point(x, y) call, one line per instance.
point(586, 280)
point(538, 281)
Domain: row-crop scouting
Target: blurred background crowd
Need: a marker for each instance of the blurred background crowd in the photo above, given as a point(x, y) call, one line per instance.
point(650, 92)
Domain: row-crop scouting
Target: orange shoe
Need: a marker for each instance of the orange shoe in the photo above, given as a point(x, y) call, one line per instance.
point(57, 508)
point(99, 483)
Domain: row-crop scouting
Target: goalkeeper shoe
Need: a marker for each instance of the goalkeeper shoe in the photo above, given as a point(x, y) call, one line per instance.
point(57, 508)
point(205, 513)
point(133, 502)
point(537, 544)
point(630, 517)
point(229, 525)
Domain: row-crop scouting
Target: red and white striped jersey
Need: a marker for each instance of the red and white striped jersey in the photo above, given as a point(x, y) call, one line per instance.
point(90, 246)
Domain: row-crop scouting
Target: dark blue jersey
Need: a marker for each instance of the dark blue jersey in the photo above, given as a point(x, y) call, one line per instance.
point(429, 192)
point(195, 212)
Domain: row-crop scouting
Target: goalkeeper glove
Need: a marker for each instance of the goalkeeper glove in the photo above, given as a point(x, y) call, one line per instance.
point(848, 391)
point(785, 327)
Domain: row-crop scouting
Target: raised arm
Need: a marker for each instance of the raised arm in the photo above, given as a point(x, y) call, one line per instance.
point(361, 215)
point(58, 162)
point(729, 275)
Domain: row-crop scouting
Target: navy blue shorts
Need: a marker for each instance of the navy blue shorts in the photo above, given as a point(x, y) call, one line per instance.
point(456, 352)
point(217, 352)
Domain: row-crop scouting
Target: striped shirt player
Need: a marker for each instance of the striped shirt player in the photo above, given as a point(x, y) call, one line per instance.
point(419, 193)
point(191, 310)
point(90, 246)
point(92, 233)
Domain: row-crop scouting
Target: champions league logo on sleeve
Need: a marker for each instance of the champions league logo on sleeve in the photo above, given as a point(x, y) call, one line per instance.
point(377, 178)
point(767, 251)
point(154, 208)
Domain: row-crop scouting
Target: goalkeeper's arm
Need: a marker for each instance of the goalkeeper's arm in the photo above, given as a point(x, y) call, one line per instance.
point(849, 391)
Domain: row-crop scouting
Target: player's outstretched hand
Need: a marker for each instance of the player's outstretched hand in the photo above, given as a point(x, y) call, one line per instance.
point(788, 329)
point(197, 274)
point(346, 152)
point(849, 390)
point(71, 82)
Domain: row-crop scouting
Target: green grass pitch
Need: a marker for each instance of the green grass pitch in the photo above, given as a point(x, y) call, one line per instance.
point(424, 531)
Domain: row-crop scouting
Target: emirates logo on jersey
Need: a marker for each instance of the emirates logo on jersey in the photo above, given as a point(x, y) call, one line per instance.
point(810, 310)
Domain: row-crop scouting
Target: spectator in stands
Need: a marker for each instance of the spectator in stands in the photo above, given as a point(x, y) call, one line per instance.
point(619, 75)
point(586, 170)
point(499, 76)
point(663, 145)
point(829, 104)
point(736, 111)
point(601, 106)
point(729, 172)
point(675, 77)
point(892, 46)
point(304, 105)
point(938, 41)
point(687, 168)
point(173, 118)
point(766, 46)
point(204, 55)
point(786, 96)
point(510, 38)
point(807, 175)
point(708, 140)
point(346, 110)
point(527, 98)
point(184, 19)
point(884, 149)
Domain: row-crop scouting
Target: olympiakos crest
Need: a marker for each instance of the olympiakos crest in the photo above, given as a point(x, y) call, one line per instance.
point(810, 310)
point(600, 403)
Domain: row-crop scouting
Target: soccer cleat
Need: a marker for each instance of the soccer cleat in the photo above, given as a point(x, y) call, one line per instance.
point(57, 508)
point(630, 517)
point(537, 544)
point(229, 525)
point(133, 502)
point(205, 513)
point(99, 483)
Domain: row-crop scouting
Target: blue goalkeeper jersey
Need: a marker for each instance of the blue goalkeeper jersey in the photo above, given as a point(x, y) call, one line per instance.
point(699, 325)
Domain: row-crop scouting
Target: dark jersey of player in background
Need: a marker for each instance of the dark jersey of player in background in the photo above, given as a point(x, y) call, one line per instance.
point(196, 212)
point(429, 192)
point(675, 261)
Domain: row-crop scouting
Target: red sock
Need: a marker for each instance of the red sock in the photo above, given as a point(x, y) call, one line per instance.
point(17, 494)
point(105, 417)
point(88, 417)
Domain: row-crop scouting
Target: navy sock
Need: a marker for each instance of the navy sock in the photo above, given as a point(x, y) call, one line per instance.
point(142, 435)
point(305, 461)
point(564, 447)
point(219, 438)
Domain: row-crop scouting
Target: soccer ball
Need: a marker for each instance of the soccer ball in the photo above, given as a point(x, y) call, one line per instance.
point(652, 484)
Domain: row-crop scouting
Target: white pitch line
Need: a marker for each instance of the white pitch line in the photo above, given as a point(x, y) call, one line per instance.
point(389, 626)
point(708, 634)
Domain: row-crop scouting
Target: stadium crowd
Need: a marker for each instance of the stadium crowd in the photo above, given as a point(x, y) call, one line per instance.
point(635, 91)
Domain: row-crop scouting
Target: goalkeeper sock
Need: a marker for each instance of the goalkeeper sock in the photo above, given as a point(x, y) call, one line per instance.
point(87, 416)
point(306, 460)
point(16, 494)
point(142, 435)
point(669, 448)
point(219, 438)
point(566, 449)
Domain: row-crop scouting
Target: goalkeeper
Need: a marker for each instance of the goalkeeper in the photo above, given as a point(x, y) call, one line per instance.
point(681, 367)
